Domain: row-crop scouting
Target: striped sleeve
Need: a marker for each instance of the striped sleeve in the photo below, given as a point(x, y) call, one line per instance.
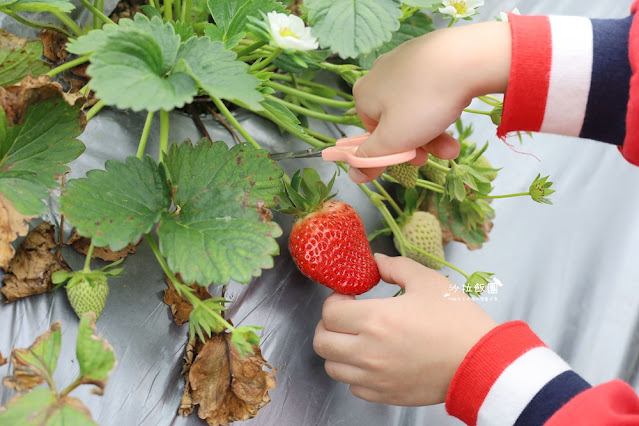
point(511, 378)
point(575, 76)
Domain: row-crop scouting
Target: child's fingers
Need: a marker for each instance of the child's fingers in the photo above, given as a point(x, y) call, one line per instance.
point(405, 272)
point(443, 146)
point(343, 314)
point(339, 347)
point(346, 373)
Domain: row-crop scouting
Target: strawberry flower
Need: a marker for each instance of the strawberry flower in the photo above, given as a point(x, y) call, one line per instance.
point(289, 32)
point(460, 9)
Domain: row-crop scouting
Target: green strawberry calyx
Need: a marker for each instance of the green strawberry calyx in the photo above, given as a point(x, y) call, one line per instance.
point(305, 194)
point(91, 276)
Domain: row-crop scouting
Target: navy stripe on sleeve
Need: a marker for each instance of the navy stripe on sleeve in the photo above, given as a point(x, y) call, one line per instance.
point(605, 118)
point(551, 398)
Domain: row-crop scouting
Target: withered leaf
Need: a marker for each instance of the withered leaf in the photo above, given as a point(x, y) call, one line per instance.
point(10, 41)
point(81, 245)
point(36, 364)
point(12, 225)
point(29, 272)
point(226, 386)
point(54, 45)
point(15, 100)
point(3, 361)
point(180, 307)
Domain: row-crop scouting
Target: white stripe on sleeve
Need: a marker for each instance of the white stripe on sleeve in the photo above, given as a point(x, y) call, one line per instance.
point(570, 75)
point(518, 384)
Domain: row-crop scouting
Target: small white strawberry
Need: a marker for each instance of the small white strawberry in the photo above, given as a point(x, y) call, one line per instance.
point(406, 174)
point(434, 174)
point(88, 293)
point(422, 229)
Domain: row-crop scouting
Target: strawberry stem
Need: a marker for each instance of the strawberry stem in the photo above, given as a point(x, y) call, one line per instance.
point(353, 120)
point(145, 134)
point(164, 132)
point(308, 83)
point(95, 109)
point(492, 197)
point(242, 131)
point(87, 261)
point(259, 65)
point(68, 65)
point(309, 96)
point(184, 289)
point(387, 197)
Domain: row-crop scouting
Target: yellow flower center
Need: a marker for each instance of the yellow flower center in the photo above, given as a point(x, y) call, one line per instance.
point(286, 32)
point(460, 7)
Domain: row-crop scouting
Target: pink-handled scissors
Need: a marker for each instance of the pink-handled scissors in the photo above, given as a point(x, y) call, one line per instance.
point(345, 149)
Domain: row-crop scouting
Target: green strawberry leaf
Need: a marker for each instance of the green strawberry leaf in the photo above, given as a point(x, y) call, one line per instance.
point(62, 6)
point(217, 71)
point(41, 407)
point(219, 236)
point(219, 193)
point(92, 41)
point(353, 28)
point(415, 26)
point(231, 17)
point(195, 168)
point(114, 207)
point(35, 153)
point(215, 33)
point(95, 356)
point(19, 58)
point(182, 28)
point(36, 364)
point(424, 4)
point(130, 71)
point(283, 114)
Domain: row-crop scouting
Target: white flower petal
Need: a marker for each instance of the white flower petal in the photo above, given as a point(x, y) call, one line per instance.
point(290, 32)
point(448, 10)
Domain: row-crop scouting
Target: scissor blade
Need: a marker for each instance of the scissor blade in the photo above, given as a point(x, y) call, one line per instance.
point(307, 153)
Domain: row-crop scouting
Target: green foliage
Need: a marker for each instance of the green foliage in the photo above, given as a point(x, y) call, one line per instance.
point(415, 26)
point(34, 154)
point(115, 206)
point(35, 365)
point(244, 338)
point(540, 190)
point(221, 228)
point(203, 319)
point(231, 17)
point(58, 6)
point(20, 61)
point(353, 28)
point(143, 64)
point(283, 114)
point(424, 4)
point(305, 193)
point(477, 282)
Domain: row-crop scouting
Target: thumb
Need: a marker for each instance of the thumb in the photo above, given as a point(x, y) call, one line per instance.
point(338, 297)
point(376, 145)
point(407, 273)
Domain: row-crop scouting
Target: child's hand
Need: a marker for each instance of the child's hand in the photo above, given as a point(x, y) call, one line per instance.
point(403, 350)
point(415, 92)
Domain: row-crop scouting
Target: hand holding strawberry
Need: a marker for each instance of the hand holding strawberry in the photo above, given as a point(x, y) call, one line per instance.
point(328, 242)
point(403, 350)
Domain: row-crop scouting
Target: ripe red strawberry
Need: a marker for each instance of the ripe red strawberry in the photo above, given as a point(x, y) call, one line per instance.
point(328, 242)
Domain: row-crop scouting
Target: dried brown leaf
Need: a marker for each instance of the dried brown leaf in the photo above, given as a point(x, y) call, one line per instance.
point(10, 41)
point(180, 307)
point(3, 361)
point(81, 245)
point(30, 371)
point(226, 386)
point(15, 100)
point(13, 224)
point(29, 272)
point(54, 44)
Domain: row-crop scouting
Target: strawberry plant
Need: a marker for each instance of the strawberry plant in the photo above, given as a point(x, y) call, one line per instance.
point(204, 208)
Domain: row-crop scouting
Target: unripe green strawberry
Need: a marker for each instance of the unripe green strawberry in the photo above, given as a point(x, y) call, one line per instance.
point(423, 230)
point(433, 174)
point(404, 173)
point(88, 294)
point(483, 162)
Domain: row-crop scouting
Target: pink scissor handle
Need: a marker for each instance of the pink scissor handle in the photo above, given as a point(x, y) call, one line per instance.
point(345, 149)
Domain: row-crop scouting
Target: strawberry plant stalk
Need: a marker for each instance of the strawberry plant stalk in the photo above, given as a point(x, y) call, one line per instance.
point(352, 120)
point(70, 23)
point(311, 97)
point(96, 12)
point(38, 25)
point(95, 109)
point(226, 113)
point(68, 65)
point(145, 134)
point(260, 65)
point(286, 77)
point(250, 48)
point(164, 133)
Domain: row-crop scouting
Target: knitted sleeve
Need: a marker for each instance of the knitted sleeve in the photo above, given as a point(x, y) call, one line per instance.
point(511, 378)
point(575, 76)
